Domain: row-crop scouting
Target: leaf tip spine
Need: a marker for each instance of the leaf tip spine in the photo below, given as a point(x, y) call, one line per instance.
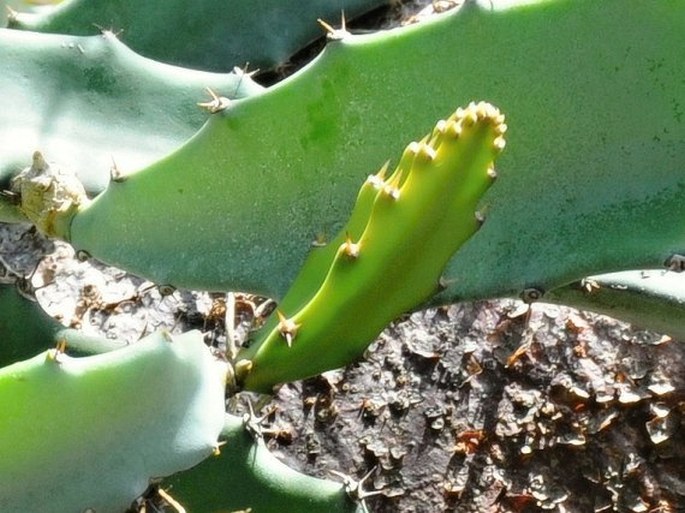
point(287, 327)
point(351, 249)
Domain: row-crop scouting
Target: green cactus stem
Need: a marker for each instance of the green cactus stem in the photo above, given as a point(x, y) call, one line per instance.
point(25, 329)
point(200, 34)
point(594, 182)
point(388, 258)
point(652, 299)
point(88, 434)
point(246, 476)
point(90, 104)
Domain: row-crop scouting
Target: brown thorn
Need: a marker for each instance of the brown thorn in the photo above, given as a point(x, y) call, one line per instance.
point(115, 174)
point(55, 354)
point(326, 26)
point(216, 104)
point(333, 33)
point(243, 71)
point(108, 32)
point(287, 328)
point(350, 248)
point(217, 448)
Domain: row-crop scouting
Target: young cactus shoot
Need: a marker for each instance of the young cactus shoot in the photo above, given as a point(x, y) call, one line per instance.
point(387, 259)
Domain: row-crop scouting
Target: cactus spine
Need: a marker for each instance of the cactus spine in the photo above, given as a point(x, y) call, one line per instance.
point(388, 258)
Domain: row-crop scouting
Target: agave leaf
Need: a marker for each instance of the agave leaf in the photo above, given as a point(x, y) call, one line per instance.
point(200, 34)
point(652, 299)
point(593, 180)
point(89, 103)
point(246, 476)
